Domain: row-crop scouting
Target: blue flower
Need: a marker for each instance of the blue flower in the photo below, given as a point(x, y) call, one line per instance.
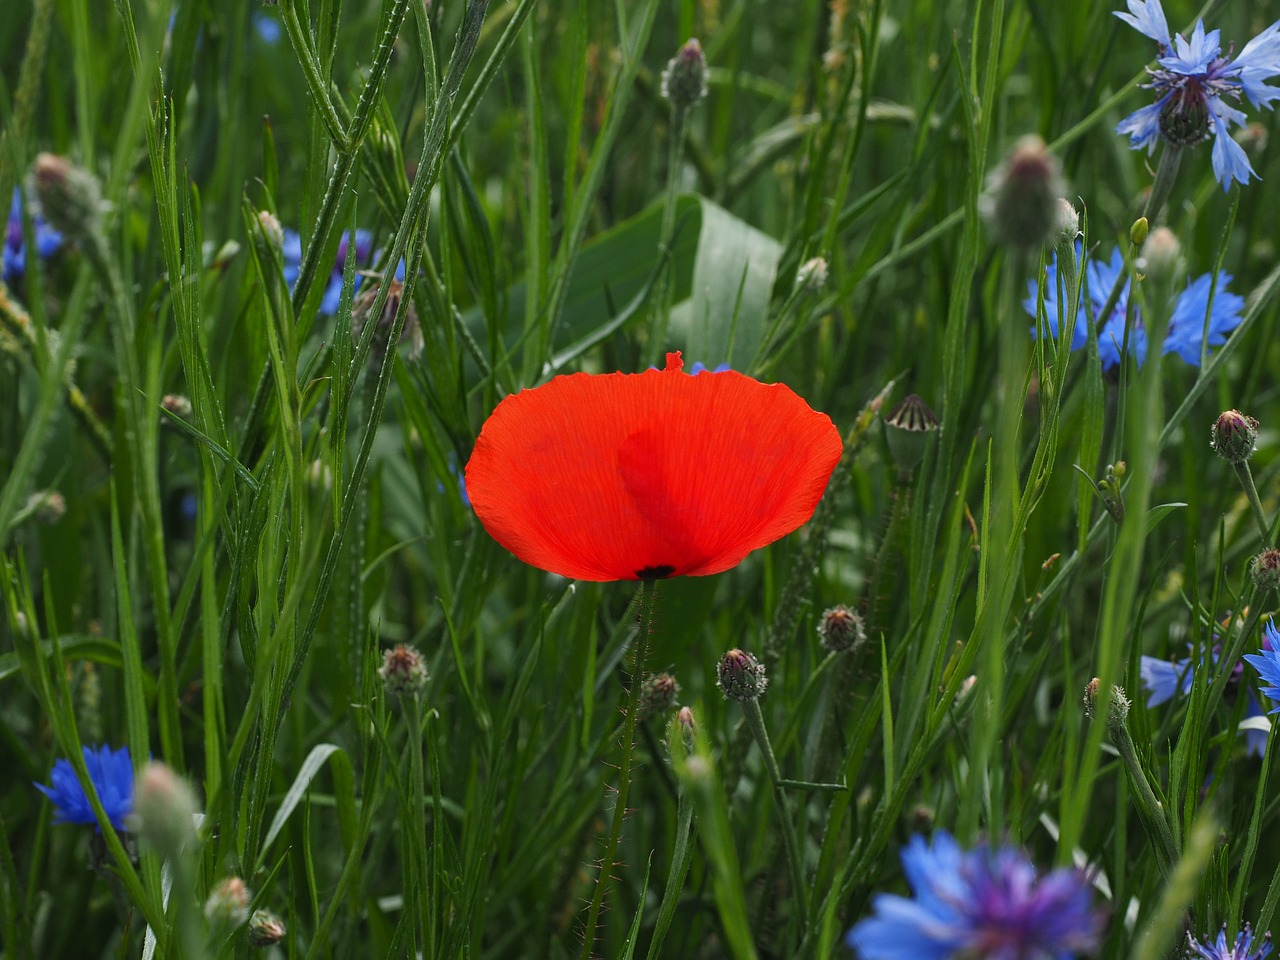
point(1242, 949)
point(1186, 322)
point(1267, 663)
point(292, 254)
point(267, 27)
point(48, 240)
point(112, 775)
point(700, 367)
point(1192, 86)
point(985, 903)
point(1164, 678)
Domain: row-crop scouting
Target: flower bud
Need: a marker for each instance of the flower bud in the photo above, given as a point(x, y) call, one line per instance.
point(177, 404)
point(362, 313)
point(163, 808)
point(1117, 709)
point(1067, 223)
point(1161, 255)
point(684, 82)
point(228, 904)
point(47, 506)
point(1138, 231)
point(403, 671)
point(741, 676)
point(658, 694)
point(1265, 569)
point(812, 275)
point(1021, 202)
point(70, 199)
point(265, 928)
point(908, 428)
point(1184, 119)
point(1234, 436)
point(840, 629)
point(272, 232)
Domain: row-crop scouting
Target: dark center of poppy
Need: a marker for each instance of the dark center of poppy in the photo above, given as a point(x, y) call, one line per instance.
point(660, 572)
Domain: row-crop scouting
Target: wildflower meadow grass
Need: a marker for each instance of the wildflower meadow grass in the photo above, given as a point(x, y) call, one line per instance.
point(657, 479)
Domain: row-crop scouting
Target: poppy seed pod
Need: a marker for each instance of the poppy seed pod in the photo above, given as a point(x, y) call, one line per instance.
point(908, 428)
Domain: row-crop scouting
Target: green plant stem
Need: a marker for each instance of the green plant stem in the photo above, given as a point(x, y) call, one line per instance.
point(1154, 816)
point(418, 794)
point(681, 860)
point(1166, 173)
point(1245, 476)
point(662, 295)
point(755, 721)
point(641, 650)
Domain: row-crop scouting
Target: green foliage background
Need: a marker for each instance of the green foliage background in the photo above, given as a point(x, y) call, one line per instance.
point(221, 586)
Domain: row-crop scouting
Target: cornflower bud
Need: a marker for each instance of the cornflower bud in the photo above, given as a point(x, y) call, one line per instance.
point(658, 694)
point(228, 903)
point(1021, 202)
point(163, 808)
point(1265, 569)
point(265, 928)
point(47, 506)
point(1234, 436)
point(69, 196)
point(362, 313)
point(403, 671)
point(1161, 255)
point(684, 82)
point(1117, 709)
point(1067, 223)
point(177, 404)
point(1138, 231)
point(741, 676)
point(840, 630)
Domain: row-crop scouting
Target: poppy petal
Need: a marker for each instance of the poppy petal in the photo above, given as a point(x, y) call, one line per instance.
point(640, 476)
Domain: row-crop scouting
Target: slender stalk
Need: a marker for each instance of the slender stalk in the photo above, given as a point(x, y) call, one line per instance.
point(640, 652)
point(662, 297)
point(751, 711)
point(1166, 173)
point(1245, 476)
point(1154, 815)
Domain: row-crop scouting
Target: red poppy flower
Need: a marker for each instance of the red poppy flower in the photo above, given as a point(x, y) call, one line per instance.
point(642, 476)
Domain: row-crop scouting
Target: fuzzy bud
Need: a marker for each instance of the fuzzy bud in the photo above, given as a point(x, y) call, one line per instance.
point(909, 427)
point(741, 676)
point(1234, 436)
point(163, 810)
point(1265, 569)
point(1021, 202)
point(812, 275)
point(840, 629)
point(272, 231)
point(1117, 709)
point(177, 404)
point(403, 671)
point(47, 506)
point(1161, 255)
point(658, 694)
point(684, 82)
point(265, 928)
point(1067, 222)
point(69, 196)
point(228, 903)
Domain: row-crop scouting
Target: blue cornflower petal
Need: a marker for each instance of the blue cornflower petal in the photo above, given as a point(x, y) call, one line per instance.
point(985, 902)
point(1259, 60)
point(1186, 324)
point(111, 773)
point(1147, 17)
point(700, 367)
point(1242, 949)
point(1255, 740)
point(1267, 663)
point(13, 249)
point(1164, 678)
point(1230, 163)
point(1143, 126)
point(268, 27)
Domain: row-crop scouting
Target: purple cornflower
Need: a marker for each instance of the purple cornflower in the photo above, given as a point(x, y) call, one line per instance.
point(1242, 949)
point(1192, 86)
point(292, 252)
point(1267, 663)
point(1186, 322)
point(984, 903)
point(48, 240)
point(111, 773)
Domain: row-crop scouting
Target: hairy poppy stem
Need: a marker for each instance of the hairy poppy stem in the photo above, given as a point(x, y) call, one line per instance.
point(641, 650)
point(755, 720)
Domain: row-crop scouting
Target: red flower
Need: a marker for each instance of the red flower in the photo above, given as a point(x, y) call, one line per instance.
point(641, 476)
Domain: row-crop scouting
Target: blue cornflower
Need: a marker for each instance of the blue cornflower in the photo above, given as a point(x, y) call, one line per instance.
point(292, 253)
point(985, 903)
point(48, 240)
point(700, 367)
point(1186, 322)
point(267, 27)
point(1164, 678)
point(1191, 85)
point(112, 775)
point(1242, 949)
point(1267, 663)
